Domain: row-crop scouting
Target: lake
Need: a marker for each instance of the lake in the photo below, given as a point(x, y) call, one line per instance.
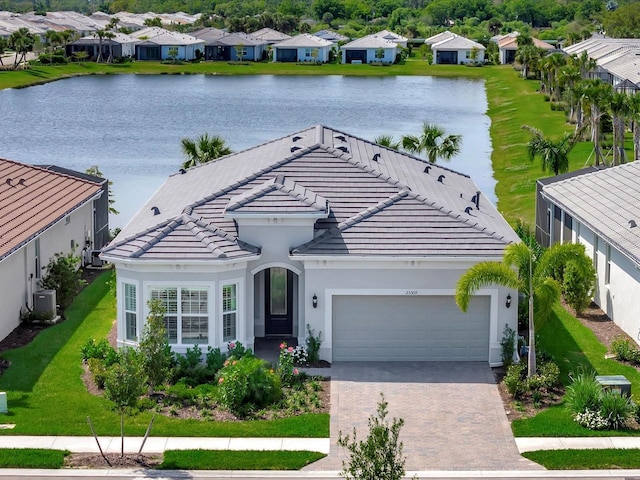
point(131, 125)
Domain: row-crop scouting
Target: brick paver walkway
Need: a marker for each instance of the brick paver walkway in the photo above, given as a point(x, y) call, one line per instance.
point(454, 418)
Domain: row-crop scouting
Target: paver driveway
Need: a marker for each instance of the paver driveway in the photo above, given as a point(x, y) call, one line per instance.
point(454, 418)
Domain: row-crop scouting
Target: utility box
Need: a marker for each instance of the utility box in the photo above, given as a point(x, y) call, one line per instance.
point(44, 304)
point(3, 402)
point(615, 383)
point(95, 258)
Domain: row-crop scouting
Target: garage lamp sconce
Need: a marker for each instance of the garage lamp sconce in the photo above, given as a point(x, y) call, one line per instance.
point(508, 304)
point(314, 301)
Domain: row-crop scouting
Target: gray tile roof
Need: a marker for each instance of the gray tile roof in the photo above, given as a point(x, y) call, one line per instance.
point(389, 195)
point(370, 41)
point(605, 201)
point(304, 40)
point(278, 195)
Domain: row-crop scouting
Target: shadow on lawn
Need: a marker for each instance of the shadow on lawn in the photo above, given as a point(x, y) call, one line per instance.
point(29, 362)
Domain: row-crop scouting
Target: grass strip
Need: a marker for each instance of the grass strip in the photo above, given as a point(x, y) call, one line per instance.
point(31, 458)
point(46, 394)
point(237, 460)
point(593, 459)
point(573, 347)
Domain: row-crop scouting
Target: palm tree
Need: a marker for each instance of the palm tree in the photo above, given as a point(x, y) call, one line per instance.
point(53, 38)
point(527, 56)
point(21, 41)
point(67, 36)
point(203, 150)
point(110, 36)
point(433, 142)
point(387, 141)
point(634, 113)
point(3, 47)
point(100, 34)
point(620, 110)
point(554, 154)
point(595, 99)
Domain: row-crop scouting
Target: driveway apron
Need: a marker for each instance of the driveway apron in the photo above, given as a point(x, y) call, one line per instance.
point(453, 415)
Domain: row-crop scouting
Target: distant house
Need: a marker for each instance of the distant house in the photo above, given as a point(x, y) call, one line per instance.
point(369, 49)
point(393, 37)
point(302, 48)
point(156, 43)
point(121, 45)
point(457, 50)
point(43, 212)
point(270, 35)
point(599, 208)
point(508, 46)
point(439, 37)
point(331, 36)
point(321, 228)
point(235, 46)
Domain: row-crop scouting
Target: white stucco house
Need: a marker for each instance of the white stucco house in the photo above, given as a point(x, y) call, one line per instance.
point(369, 49)
point(456, 50)
point(321, 228)
point(303, 48)
point(42, 212)
point(155, 43)
point(598, 207)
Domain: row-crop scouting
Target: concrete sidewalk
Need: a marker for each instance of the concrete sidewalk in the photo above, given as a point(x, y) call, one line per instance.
point(160, 444)
point(530, 444)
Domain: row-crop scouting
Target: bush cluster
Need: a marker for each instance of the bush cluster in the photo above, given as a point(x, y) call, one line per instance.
point(518, 384)
point(625, 350)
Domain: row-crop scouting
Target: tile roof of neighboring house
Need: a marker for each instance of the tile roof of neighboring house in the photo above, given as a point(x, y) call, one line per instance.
point(438, 37)
point(625, 65)
point(209, 34)
point(32, 199)
point(457, 42)
point(234, 39)
point(120, 38)
point(394, 37)
point(511, 43)
point(381, 202)
point(331, 36)
point(304, 40)
point(160, 36)
point(370, 41)
point(606, 201)
point(270, 35)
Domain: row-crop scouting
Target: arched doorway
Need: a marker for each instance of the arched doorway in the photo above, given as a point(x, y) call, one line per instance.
point(279, 307)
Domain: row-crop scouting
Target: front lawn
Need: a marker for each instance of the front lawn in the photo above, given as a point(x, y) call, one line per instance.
point(594, 459)
point(46, 394)
point(573, 347)
point(31, 458)
point(237, 460)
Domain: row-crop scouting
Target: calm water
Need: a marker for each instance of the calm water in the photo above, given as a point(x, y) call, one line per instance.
point(131, 125)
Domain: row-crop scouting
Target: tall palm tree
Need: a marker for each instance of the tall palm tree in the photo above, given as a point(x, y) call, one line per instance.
point(553, 153)
point(110, 36)
point(433, 143)
point(620, 110)
point(596, 99)
point(388, 141)
point(100, 34)
point(556, 62)
point(204, 149)
point(634, 114)
point(3, 47)
point(527, 56)
point(22, 41)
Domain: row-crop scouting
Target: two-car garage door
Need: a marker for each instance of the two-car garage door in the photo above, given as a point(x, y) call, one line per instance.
point(409, 328)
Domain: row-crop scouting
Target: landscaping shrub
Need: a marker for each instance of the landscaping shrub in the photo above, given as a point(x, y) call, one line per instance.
point(507, 345)
point(62, 275)
point(625, 349)
point(100, 350)
point(514, 380)
point(313, 344)
point(547, 376)
point(592, 420)
point(98, 371)
point(157, 357)
point(247, 383)
point(183, 393)
point(616, 409)
point(214, 359)
point(578, 283)
point(289, 374)
point(237, 350)
point(583, 394)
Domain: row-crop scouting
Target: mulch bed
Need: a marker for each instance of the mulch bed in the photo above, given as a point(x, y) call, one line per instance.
point(95, 460)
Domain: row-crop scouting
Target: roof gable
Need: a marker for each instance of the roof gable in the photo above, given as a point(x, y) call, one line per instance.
point(32, 199)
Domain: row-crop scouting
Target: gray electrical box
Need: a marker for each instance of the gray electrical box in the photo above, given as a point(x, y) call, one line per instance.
point(615, 383)
point(44, 304)
point(95, 258)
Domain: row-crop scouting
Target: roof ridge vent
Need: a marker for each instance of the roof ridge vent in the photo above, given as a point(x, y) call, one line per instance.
point(427, 168)
point(155, 210)
point(468, 210)
point(340, 137)
point(296, 138)
point(632, 223)
point(441, 178)
point(294, 148)
point(376, 157)
point(343, 148)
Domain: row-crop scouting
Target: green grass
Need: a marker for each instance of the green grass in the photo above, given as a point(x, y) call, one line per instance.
point(31, 458)
point(599, 459)
point(237, 460)
point(573, 346)
point(46, 394)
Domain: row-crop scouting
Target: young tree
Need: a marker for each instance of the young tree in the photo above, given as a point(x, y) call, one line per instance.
point(433, 142)
point(124, 384)
point(203, 150)
point(379, 456)
point(156, 355)
point(553, 153)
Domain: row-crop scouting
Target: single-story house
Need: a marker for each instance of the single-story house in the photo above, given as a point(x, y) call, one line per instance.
point(457, 50)
point(155, 43)
point(508, 46)
point(270, 35)
point(598, 207)
point(318, 229)
point(393, 37)
point(234, 47)
point(302, 48)
point(369, 49)
point(122, 46)
point(44, 212)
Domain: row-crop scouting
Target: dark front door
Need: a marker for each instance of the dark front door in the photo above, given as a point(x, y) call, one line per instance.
point(279, 301)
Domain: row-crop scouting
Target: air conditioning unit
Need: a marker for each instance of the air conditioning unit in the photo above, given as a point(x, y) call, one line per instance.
point(95, 258)
point(44, 304)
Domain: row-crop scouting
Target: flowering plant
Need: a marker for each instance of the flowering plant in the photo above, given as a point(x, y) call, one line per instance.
point(286, 364)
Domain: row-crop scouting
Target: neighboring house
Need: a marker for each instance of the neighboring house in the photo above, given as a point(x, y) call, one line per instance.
point(155, 43)
point(331, 36)
point(43, 212)
point(270, 35)
point(210, 36)
point(457, 50)
point(361, 243)
point(393, 37)
point(598, 207)
point(369, 49)
point(236, 46)
point(302, 48)
point(508, 46)
point(439, 37)
point(122, 46)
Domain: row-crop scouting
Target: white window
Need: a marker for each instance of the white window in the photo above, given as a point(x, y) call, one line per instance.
point(229, 312)
point(607, 269)
point(130, 312)
point(169, 299)
point(187, 316)
point(308, 52)
point(467, 54)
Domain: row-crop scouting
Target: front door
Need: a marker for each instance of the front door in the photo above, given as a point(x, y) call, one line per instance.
point(279, 301)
